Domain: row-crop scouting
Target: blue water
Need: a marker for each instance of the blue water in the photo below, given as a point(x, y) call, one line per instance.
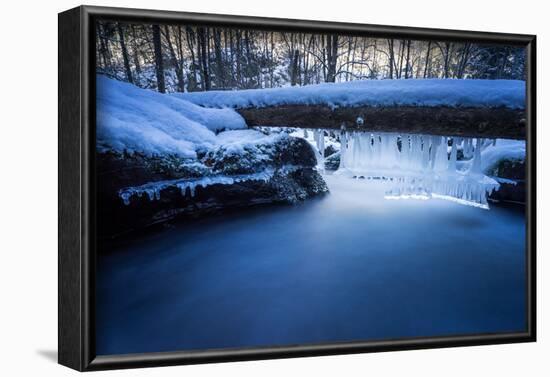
point(349, 266)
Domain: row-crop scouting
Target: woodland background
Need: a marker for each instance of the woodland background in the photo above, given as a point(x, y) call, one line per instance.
point(178, 58)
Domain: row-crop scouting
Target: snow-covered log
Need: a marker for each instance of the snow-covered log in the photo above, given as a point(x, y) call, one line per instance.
point(490, 122)
point(471, 108)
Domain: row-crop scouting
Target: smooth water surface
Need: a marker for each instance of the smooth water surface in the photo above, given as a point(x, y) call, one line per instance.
point(349, 266)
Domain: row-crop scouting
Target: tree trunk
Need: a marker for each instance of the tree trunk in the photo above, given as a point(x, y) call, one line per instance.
point(463, 61)
point(239, 58)
point(427, 59)
point(332, 57)
point(159, 65)
point(294, 70)
point(201, 33)
point(124, 54)
point(135, 51)
point(399, 70)
point(103, 47)
point(391, 57)
point(190, 37)
point(446, 54)
point(220, 72)
point(175, 62)
point(407, 61)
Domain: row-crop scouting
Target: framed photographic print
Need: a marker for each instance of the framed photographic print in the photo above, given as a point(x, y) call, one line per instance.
point(238, 188)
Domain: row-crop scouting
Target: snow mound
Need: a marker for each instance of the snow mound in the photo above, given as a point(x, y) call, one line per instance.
point(130, 119)
point(237, 142)
point(503, 150)
point(414, 92)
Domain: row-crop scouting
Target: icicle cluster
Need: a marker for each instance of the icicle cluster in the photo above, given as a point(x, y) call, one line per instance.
point(316, 137)
point(153, 189)
point(189, 186)
point(418, 166)
point(319, 138)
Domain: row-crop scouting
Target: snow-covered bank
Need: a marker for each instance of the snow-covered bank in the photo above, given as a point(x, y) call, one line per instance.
point(416, 92)
point(130, 119)
point(502, 150)
point(160, 158)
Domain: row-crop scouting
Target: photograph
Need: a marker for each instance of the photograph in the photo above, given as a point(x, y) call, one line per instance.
point(256, 187)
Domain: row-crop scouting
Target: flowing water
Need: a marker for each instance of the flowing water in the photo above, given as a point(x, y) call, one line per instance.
point(349, 266)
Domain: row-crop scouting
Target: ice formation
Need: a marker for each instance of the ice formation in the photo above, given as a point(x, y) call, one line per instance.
point(153, 189)
point(189, 185)
point(418, 166)
point(319, 138)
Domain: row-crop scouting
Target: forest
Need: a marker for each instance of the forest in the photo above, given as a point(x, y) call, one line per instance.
point(187, 58)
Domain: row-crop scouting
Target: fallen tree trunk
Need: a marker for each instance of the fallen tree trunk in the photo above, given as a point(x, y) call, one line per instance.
point(487, 122)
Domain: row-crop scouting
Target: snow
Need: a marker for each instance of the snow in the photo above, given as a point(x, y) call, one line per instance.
point(237, 142)
point(130, 119)
point(502, 150)
point(414, 92)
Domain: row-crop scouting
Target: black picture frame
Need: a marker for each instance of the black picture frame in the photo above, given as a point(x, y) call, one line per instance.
point(77, 187)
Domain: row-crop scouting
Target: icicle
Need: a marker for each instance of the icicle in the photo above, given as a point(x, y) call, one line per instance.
point(452, 160)
point(476, 163)
point(416, 152)
point(321, 149)
point(425, 152)
point(343, 149)
point(377, 148)
point(468, 148)
point(153, 189)
point(440, 154)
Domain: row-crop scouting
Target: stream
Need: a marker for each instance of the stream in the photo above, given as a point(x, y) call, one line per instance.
point(348, 266)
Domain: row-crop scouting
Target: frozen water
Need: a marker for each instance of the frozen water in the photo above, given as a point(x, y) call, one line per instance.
point(187, 186)
point(417, 166)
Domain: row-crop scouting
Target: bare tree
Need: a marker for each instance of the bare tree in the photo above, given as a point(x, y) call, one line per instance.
point(407, 61)
point(427, 61)
point(220, 72)
point(203, 54)
point(174, 60)
point(124, 54)
point(332, 57)
point(159, 64)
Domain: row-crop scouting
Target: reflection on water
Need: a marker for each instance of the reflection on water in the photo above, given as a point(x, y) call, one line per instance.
point(349, 266)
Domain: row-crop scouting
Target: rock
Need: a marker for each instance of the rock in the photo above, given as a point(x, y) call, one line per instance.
point(288, 151)
point(333, 161)
point(510, 193)
point(508, 169)
point(330, 150)
point(292, 178)
point(510, 173)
